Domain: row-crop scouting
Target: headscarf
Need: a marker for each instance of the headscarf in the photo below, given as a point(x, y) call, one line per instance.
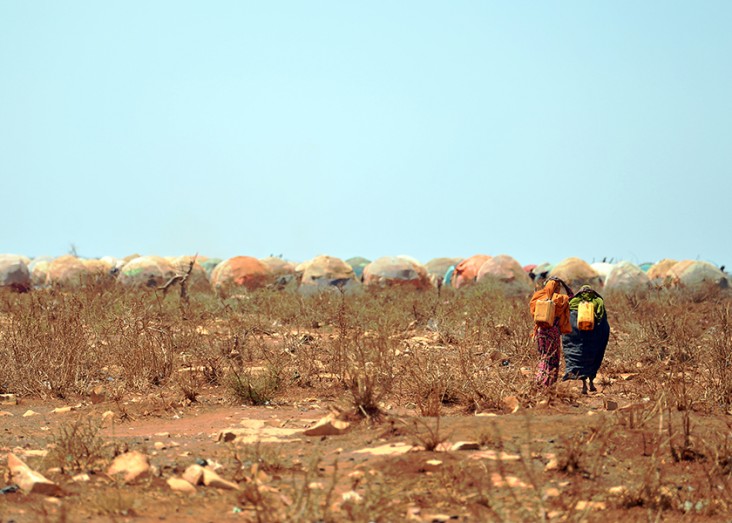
point(587, 293)
point(561, 303)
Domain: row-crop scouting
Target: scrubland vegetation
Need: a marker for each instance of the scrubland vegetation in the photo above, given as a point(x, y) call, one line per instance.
point(404, 364)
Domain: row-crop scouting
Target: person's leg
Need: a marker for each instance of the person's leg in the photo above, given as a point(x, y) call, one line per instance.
point(592, 385)
point(584, 385)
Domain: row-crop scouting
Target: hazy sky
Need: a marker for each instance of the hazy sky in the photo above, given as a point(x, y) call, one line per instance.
point(536, 129)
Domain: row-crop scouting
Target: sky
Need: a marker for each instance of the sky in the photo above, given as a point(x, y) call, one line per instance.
point(541, 130)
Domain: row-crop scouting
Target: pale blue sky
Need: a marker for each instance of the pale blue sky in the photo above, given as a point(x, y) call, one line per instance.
point(536, 129)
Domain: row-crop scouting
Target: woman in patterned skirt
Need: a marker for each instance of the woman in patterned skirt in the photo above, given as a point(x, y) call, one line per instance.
point(549, 337)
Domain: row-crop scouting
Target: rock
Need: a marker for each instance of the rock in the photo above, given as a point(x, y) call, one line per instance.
point(5, 413)
point(390, 449)
point(181, 485)
point(551, 492)
point(328, 426)
point(628, 377)
point(97, 394)
point(590, 505)
point(65, 410)
point(508, 481)
point(432, 465)
point(29, 413)
point(194, 475)
point(611, 405)
point(108, 415)
point(552, 465)
point(81, 478)
point(618, 491)
point(465, 445)
point(352, 497)
point(211, 479)
point(8, 399)
point(30, 481)
point(511, 403)
point(316, 485)
point(134, 465)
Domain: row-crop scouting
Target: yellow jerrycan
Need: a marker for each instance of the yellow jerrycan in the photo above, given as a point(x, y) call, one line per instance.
point(544, 313)
point(586, 316)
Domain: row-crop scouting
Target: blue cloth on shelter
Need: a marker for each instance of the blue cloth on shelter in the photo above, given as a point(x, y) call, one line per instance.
point(584, 350)
point(448, 275)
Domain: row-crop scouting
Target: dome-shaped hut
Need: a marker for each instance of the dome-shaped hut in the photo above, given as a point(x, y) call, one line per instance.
point(14, 273)
point(146, 271)
point(506, 274)
point(576, 273)
point(358, 264)
point(659, 271)
point(240, 273)
point(438, 267)
point(393, 271)
point(697, 275)
point(626, 277)
point(466, 272)
point(67, 271)
point(197, 280)
point(326, 272)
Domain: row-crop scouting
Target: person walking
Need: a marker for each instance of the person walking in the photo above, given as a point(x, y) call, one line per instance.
point(584, 346)
point(548, 336)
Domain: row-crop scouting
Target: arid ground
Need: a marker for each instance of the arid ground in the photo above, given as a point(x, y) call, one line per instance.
point(431, 412)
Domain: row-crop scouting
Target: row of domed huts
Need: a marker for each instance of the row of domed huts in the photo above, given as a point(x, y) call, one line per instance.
point(246, 273)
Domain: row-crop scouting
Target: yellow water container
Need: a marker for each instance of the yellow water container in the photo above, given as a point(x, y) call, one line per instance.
point(586, 316)
point(544, 312)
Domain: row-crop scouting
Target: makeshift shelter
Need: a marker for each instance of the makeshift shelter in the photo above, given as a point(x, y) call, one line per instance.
point(437, 268)
point(645, 266)
point(197, 280)
point(14, 273)
point(506, 274)
point(209, 265)
point(603, 269)
point(539, 273)
point(358, 264)
point(99, 271)
point(696, 275)
point(67, 271)
point(466, 272)
point(659, 271)
point(627, 277)
point(278, 266)
point(240, 273)
point(393, 271)
point(576, 273)
point(146, 271)
point(327, 272)
point(39, 273)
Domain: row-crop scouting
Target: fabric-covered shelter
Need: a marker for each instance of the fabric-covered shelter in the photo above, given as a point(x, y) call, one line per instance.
point(392, 271)
point(327, 272)
point(240, 273)
point(198, 279)
point(506, 274)
point(466, 272)
point(697, 275)
point(146, 271)
point(438, 267)
point(659, 271)
point(626, 276)
point(576, 273)
point(358, 264)
point(68, 271)
point(209, 264)
point(14, 273)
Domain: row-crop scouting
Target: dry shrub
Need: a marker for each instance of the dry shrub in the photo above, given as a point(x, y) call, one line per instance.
point(78, 446)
